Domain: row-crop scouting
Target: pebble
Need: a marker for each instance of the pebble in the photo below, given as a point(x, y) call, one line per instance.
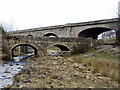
point(98, 74)
point(104, 78)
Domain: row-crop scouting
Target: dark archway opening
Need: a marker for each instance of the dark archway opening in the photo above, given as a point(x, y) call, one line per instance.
point(29, 36)
point(62, 47)
point(93, 32)
point(57, 50)
point(50, 35)
point(24, 51)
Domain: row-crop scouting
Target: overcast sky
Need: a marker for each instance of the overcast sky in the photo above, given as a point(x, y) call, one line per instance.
point(25, 14)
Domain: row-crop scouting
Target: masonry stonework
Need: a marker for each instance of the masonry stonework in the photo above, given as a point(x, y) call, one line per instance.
point(40, 44)
point(72, 29)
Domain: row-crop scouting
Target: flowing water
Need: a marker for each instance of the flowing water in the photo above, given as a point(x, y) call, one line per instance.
point(10, 68)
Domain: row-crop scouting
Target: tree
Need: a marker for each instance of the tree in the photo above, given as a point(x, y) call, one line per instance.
point(2, 30)
point(5, 28)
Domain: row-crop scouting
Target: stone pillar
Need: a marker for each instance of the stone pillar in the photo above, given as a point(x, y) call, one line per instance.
point(118, 31)
point(118, 39)
point(24, 49)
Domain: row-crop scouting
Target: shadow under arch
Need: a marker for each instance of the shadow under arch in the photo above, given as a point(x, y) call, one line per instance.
point(93, 32)
point(29, 35)
point(32, 46)
point(50, 35)
point(62, 47)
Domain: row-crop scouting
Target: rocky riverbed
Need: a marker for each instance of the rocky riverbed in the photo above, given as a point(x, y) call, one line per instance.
point(60, 72)
point(7, 71)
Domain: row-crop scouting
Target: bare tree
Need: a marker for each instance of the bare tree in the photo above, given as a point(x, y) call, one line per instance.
point(2, 30)
point(7, 27)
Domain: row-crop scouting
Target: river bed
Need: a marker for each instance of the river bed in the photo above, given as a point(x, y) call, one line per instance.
point(8, 71)
point(10, 68)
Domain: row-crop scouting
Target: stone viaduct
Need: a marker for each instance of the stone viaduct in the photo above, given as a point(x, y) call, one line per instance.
point(85, 29)
point(40, 44)
point(72, 37)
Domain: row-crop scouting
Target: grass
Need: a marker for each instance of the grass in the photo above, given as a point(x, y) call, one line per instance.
point(53, 48)
point(103, 66)
point(102, 55)
point(4, 56)
point(103, 63)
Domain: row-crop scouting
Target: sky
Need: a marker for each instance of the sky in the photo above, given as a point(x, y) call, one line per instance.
point(25, 14)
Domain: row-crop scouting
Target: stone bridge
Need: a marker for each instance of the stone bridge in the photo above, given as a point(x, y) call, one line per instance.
point(85, 29)
point(40, 44)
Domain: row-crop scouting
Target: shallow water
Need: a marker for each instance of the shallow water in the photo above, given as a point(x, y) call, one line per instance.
point(8, 71)
point(10, 68)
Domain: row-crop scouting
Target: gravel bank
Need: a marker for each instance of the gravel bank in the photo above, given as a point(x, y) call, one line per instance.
point(59, 72)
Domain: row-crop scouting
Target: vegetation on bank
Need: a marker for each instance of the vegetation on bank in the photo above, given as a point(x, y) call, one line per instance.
point(103, 63)
point(2, 31)
point(3, 34)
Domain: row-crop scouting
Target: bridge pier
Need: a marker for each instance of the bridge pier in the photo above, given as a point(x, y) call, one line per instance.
point(118, 31)
point(23, 49)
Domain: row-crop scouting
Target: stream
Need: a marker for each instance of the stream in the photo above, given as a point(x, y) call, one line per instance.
point(10, 68)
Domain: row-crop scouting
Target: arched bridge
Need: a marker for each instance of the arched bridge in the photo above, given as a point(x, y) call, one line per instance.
point(84, 29)
point(40, 44)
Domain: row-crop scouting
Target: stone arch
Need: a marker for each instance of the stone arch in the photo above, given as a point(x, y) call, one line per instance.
point(50, 35)
point(62, 47)
point(93, 32)
point(29, 35)
point(60, 50)
point(37, 49)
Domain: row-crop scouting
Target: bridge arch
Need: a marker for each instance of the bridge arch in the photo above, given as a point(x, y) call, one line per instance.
point(37, 49)
point(50, 35)
point(62, 47)
point(93, 32)
point(29, 35)
point(58, 49)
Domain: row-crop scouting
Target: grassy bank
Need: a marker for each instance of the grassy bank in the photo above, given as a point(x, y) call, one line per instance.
point(107, 65)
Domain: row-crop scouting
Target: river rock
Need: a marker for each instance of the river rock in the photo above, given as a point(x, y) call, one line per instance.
point(16, 60)
point(98, 74)
point(26, 81)
point(75, 65)
point(88, 77)
point(104, 78)
point(7, 71)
